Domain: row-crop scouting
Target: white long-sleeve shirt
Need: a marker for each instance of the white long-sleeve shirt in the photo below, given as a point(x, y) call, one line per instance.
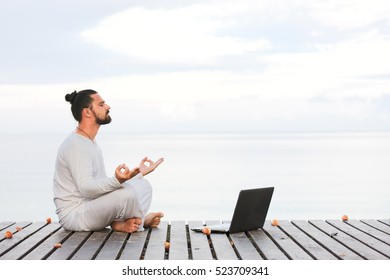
point(79, 174)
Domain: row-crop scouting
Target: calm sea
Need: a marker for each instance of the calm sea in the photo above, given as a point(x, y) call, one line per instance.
point(315, 175)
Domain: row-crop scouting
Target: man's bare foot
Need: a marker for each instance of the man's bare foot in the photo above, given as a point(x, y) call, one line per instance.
point(152, 220)
point(129, 225)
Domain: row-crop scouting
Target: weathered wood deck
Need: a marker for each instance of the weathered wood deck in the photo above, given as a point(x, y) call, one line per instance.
point(296, 240)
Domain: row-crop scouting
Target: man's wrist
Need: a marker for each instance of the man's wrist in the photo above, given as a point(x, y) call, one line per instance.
point(138, 176)
point(120, 181)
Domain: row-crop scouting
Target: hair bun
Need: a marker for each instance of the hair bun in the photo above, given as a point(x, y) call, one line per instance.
point(71, 96)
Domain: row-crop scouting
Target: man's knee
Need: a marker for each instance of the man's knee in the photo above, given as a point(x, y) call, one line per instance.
point(127, 203)
point(144, 188)
point(126, 195)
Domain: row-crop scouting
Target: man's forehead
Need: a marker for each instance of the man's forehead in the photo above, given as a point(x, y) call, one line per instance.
point(97, 98)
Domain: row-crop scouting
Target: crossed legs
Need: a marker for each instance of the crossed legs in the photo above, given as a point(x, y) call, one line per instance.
point(123, 209)
point(143, 199)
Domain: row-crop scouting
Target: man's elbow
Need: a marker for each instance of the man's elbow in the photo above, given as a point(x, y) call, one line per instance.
point(88, 192)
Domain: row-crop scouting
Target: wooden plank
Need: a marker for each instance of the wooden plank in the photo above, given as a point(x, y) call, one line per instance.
point(47, 246)
point(19, 237)
point(112, 247)
point(359, 248)
point(178, 249)
point(70, 246)
point(354, 239)
point(156, 248)
point(92, 246)
point(267, 247)
point(370, 230)
point(12, 228)
point(5, 225)
point(244, 246)
point(134, 246)
point(378, 225)
point(291, 249)
point(311, 247)
point(327, 241)
point(199, 243)
point(363, 237)
point(385, 221)
point(221, 244)
point(30, 242)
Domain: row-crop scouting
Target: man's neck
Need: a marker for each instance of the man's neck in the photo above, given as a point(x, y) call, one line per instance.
point(88, 130)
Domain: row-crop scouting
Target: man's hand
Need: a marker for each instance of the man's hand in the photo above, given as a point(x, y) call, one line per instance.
point(146, 166)
point(123, 173)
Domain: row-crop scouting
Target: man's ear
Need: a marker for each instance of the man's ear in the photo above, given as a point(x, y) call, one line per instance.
point(87, 112)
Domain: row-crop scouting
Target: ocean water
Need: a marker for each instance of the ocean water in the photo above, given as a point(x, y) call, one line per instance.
point(315, 175)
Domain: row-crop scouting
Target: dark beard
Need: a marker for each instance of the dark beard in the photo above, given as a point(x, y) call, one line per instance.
point(101, 121)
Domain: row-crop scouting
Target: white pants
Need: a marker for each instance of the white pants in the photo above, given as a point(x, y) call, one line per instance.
point(131, 201)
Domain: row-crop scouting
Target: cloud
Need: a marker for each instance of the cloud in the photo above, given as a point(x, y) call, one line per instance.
point(226, 65)
point(338, 70)
point(348, 14)
point(155, 103)
point(327, 61)
point(183, 35)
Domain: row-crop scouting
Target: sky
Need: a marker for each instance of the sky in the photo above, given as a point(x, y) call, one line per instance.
point(198, 66)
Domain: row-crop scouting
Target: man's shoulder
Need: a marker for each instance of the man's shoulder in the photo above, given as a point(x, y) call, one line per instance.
point(69, 139)
point(72, 141)
point(77, 143)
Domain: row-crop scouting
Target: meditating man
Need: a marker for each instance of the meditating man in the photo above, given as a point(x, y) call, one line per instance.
point(86, 199)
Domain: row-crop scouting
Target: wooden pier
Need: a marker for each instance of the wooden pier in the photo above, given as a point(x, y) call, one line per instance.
point(367, 239)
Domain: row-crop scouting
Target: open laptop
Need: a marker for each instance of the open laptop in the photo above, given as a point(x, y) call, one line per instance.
point(249, 214)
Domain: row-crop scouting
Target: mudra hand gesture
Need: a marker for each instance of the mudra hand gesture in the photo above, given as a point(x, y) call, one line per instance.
point(146, 166)
point(123, 173)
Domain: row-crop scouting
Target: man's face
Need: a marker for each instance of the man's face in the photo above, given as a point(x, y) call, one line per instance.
point(100, 110)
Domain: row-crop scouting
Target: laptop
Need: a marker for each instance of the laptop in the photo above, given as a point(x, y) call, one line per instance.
point(249, 214)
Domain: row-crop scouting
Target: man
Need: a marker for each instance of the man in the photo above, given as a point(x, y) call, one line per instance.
point(86, 198)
